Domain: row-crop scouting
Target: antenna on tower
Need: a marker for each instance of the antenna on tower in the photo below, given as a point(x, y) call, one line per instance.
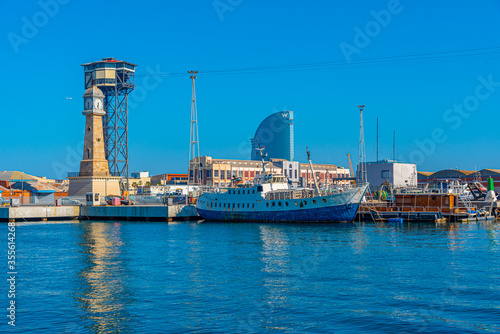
point(194, 145)
point(362, 164)
point(377, 139)
point(394, 146)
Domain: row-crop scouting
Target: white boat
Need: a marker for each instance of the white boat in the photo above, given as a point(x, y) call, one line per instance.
point(271, 199)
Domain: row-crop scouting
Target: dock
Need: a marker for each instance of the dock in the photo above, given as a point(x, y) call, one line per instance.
point(70, 212)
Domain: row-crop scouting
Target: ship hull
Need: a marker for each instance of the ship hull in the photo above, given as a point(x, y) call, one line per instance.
point(333, 214)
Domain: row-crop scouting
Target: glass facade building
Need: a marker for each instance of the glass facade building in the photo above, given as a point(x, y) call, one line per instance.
point(275, 133)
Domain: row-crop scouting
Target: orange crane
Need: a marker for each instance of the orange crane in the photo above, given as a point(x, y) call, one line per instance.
point(350, 166)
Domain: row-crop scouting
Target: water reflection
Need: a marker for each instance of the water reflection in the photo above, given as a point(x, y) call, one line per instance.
point(103, 297)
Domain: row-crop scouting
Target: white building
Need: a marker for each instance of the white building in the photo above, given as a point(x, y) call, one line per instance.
point(221, 172)
point(398, 174)
point(140, 175)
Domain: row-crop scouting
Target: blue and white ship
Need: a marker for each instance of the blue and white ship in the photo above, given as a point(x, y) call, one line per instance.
point(271, 199)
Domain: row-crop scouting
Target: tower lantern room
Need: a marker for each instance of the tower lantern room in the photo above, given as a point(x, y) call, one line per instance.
point(116, 79)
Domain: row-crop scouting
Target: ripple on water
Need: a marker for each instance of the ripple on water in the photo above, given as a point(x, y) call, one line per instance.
point(142, 277)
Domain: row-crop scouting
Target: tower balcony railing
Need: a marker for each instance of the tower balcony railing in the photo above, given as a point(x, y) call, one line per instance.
point(76, 174)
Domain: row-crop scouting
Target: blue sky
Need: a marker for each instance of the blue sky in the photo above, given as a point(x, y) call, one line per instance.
point(419, 96)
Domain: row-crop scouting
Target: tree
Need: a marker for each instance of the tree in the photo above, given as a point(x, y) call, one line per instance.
point(148, 183)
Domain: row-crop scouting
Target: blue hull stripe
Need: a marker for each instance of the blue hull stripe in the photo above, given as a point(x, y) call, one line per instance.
point(341, 213)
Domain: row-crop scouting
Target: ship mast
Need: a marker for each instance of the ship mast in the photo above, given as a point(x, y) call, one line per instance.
point(260, 151)
point(316, 188)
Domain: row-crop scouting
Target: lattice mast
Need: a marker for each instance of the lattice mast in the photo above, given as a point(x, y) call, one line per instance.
point(194, 145)
point(116, 79)
point(362, 152)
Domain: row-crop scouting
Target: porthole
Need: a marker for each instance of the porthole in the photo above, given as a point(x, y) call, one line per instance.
point(314, 201)
point(305, 202)
point(248, 205)
point(324, 200)
point(267, 204)
point(296, 203)
point(279, 203)
point(274, 204)
point(286, 203)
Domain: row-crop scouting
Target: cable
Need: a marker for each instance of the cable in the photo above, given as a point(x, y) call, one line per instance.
point(462, 54)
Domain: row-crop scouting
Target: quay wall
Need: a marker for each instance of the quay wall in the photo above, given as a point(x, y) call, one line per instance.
point(139, 212)
point(133, 212)
point(21, 213)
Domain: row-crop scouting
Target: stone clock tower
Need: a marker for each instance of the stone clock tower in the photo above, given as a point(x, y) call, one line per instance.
point(94, 170)
point(94, 162)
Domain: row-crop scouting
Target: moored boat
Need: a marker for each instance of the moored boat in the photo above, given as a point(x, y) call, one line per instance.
point(271, 199)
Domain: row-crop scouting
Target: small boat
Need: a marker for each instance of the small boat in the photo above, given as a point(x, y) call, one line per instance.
point(271, 199)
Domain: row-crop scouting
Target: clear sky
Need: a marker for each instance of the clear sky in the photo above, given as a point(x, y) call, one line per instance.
point(401, 59)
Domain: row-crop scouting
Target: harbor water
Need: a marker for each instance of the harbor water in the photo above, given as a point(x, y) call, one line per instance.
point(151, 277)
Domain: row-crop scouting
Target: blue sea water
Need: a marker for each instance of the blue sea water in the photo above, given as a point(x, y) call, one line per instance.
point(150, 277)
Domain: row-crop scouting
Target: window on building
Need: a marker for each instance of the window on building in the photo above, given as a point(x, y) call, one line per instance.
point(385, 174)
point(222, 174)
point(240, 173)
point(285, 172)
point(290, 173)
point(216, 173)
point(209, 173)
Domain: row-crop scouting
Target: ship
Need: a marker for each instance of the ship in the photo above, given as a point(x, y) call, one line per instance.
point(271, 198)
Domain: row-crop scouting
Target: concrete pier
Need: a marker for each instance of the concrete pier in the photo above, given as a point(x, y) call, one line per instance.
point(133, 212)
point(138, 212)
point(22, 213)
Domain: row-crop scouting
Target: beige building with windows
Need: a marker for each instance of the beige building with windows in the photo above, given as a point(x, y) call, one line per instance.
point(222, 172)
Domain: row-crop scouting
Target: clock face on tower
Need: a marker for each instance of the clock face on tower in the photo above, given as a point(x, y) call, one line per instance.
point(88, 104)
point(97, 104)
